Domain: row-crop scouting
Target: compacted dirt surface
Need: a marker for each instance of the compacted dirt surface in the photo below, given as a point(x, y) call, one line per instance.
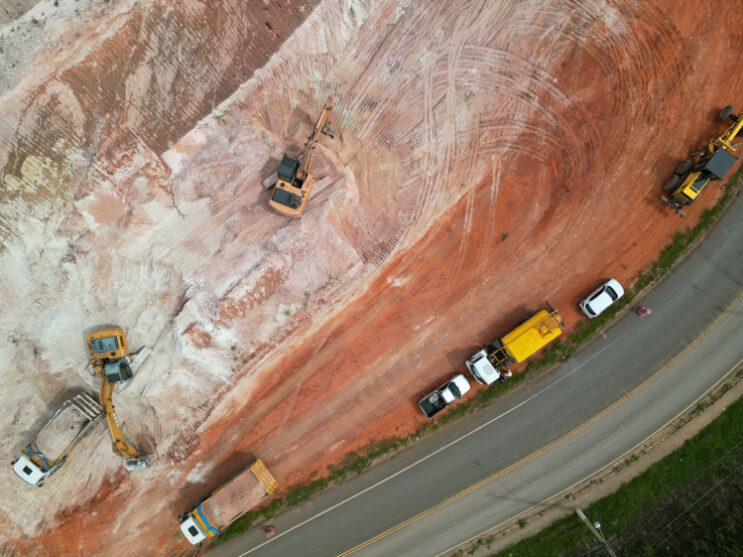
point(489, 156)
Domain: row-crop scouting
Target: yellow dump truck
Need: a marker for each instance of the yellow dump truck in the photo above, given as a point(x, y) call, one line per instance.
point(228, 503)
point(43, 456)
point(531, 336)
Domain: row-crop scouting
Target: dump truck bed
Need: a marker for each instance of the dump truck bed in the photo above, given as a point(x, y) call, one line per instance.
point(241, 494)
point(432, 404)
point(65, 426)
point(533, 334)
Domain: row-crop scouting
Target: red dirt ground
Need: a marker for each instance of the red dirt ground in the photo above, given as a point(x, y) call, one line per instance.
point(602, 111)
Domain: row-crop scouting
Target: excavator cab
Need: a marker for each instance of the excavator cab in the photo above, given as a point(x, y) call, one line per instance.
point(109, 350)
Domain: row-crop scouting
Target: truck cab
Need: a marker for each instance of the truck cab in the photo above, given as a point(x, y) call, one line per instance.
point(192, 530)
point(28, 470)
point(482, 369)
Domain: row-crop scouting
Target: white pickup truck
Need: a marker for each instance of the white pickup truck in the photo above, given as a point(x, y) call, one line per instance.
point(453, 389)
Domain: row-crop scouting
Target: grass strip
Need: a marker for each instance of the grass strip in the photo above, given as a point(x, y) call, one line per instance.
point(355, 462)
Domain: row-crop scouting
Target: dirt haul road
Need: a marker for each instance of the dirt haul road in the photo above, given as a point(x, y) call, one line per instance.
point(490, 155)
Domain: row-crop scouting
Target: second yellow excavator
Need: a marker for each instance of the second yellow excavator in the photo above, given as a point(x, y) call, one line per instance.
point(109, 356)
point(293, 186)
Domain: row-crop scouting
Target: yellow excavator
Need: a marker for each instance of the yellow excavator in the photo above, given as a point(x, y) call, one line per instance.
point(693, 175)
point(295, 181)
point(109, 356)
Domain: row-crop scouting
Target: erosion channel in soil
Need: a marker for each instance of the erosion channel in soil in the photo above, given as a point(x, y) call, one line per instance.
point(489, 156)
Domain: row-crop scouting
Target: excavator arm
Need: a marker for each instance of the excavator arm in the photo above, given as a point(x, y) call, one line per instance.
point(725, 140)
point(133, 460)
point(321, 126)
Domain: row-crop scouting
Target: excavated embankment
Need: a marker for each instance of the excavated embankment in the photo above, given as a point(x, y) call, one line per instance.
point(489, 156)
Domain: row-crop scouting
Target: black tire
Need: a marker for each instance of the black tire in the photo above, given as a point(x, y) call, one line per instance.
point(726, 112)
point(683, 167)
point(672, 183)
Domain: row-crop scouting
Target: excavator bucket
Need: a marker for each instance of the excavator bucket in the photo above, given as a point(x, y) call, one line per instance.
point(137, 463)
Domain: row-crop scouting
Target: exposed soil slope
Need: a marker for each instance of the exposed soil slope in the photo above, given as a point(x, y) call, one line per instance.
point(490, 156)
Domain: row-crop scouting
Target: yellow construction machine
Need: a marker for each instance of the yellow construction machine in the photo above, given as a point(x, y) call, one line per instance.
point(693, 175)
point(43, 456)
point(109, 356)
point(294, 179)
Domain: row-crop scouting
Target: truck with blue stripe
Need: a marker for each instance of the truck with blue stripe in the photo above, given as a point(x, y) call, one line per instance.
point(228, 503)
point(48, 451)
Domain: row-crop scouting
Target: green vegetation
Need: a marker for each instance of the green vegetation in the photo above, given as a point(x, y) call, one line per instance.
point(690, 503)
point(357, 461)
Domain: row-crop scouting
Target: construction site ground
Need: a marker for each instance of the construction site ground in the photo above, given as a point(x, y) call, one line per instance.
point(490, 155)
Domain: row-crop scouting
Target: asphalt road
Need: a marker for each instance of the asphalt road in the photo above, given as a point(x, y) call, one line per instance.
point(482, 470)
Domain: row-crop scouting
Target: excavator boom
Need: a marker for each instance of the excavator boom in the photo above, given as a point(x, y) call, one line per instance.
point(321, 126)
point(725, 140)
point(134, 461)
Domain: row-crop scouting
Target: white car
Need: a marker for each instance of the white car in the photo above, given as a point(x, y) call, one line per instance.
point(601, 298)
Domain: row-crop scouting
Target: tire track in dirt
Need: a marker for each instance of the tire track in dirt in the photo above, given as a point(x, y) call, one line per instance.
point(524, 146)
point(431, 118)
point(562, 132)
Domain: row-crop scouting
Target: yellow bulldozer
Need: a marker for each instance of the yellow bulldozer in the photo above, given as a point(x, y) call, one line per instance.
point(695, 173)
point(295, 182)
point(109, 356)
